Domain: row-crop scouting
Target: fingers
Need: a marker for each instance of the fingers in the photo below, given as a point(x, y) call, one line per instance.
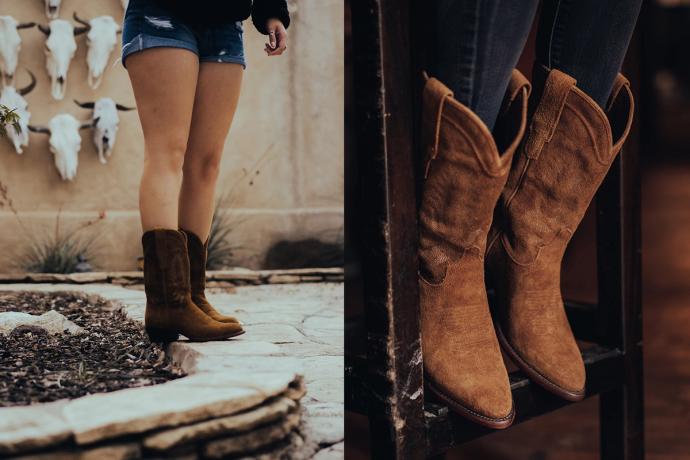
point(277, 40)
point(272, 38)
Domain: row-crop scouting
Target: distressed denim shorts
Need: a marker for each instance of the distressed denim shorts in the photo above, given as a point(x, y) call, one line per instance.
point(147, 25)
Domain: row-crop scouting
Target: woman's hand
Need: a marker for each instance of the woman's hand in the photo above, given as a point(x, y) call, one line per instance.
point(277, 38)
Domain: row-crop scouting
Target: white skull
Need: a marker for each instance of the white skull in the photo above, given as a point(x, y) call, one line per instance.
point(10, 44)
point(65, 143)
point(60, 49)
point(52, 8)
point(105, 128)
point(101, 38)
point(105, 120)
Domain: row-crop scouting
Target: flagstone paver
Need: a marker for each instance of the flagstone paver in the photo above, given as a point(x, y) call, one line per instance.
point(29, 427)
point(237, 423)
point(186, 400)
point(291, 329)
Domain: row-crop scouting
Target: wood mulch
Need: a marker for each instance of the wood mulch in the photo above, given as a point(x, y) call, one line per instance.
point(113, 352)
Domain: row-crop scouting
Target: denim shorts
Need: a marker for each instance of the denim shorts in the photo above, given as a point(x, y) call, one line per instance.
point(148, 25)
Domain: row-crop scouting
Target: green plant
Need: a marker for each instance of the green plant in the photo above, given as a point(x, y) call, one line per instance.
point(8, 117)
point(55, 253)
point(59, 253)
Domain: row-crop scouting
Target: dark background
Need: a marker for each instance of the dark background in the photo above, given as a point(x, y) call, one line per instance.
point(658, 64)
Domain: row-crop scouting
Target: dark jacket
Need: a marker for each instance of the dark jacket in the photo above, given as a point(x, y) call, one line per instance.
point(213, 12)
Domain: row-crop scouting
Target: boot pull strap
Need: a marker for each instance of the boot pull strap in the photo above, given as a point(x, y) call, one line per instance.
point(548, 112)
point(620, 83)
point(621, 106)
point(518, 86)
point(433, 99)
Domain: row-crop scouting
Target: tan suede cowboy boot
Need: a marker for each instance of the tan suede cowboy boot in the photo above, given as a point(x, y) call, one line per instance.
point(568, 148)
point(169, 307)
point(197, 274)
point(465, 174)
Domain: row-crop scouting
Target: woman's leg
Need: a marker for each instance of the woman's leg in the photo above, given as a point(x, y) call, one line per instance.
point(477, 45)
point(164, 82)
point(587, 39)
point(217, 94)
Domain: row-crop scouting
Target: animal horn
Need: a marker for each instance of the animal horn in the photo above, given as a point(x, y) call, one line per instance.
point(25, 25)
point(44, 29)
point(85, 105)
point(89, 124)
point(81, 21)
point(39, 129)
point(28, 88)
point(124, 107)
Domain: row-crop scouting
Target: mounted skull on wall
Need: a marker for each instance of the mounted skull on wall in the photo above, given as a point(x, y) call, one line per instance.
point(65, 142)
point(60, 48)
point(101, 39)
point(52, 8)
point(10, 44)
point(14, 99)
point(105, 124)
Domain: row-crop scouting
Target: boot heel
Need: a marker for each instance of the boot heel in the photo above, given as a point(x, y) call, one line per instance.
point(161, 335)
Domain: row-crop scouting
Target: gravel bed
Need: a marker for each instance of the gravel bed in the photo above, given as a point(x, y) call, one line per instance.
point(113, 352)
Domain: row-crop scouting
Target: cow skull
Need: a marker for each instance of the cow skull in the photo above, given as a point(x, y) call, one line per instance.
point(60, 48)
point(105, 124)
point(52, 8)
point(14, 99)
point(101, 39)
point(65, 142)
point(10, 43)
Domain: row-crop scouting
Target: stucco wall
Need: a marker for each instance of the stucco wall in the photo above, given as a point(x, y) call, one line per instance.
point(289, 125)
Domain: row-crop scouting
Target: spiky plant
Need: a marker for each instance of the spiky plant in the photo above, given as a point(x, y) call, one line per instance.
point(56, 255)
point(60, 253)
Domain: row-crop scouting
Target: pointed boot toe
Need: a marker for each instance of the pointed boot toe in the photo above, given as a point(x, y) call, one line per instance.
point(552, 361)
point(480, 393)
point(222, 331)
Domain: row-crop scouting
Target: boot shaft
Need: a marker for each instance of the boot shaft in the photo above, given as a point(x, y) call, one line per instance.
point(166, 266)
point(568, 149)
point(197, 251)
point(464, 172)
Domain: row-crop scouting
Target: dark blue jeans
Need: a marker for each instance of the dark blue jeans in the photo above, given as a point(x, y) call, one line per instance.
point(478, 43)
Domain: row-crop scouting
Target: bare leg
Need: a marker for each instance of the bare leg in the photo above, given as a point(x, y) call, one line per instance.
point(164, 82)
point(217, 93)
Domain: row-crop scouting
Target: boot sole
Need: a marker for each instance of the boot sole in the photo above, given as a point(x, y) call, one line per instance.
point(163, 336)
point(466, 412)
point(534, 374)
point(220, 337)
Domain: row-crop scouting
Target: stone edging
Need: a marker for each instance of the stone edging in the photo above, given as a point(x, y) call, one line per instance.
point(215, 278)
point(212, 412)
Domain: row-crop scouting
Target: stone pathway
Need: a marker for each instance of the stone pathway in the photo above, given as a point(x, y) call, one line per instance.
point(290, 327)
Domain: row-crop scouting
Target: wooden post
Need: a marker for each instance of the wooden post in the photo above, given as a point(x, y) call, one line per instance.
point(385, 148)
